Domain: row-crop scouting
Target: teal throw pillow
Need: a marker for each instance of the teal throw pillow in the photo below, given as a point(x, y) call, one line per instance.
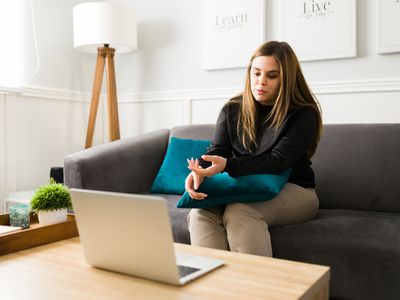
point(173, 172)
point(224, 189)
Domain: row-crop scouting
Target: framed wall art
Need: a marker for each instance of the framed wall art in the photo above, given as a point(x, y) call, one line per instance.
point(319, 29)
point(389, 26)
point(231, 31)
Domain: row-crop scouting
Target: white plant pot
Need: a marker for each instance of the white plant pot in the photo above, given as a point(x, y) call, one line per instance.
point(52, 216)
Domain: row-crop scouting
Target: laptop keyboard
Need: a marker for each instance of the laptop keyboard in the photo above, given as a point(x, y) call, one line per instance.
point(183, 270)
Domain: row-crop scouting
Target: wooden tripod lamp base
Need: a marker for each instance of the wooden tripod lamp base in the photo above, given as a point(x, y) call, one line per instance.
point(104, 27)
point(105, 57)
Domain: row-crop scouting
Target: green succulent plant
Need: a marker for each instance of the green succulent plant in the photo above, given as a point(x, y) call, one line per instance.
point(52, 196)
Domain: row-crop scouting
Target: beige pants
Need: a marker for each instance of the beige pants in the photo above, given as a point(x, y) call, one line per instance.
point(244, 227)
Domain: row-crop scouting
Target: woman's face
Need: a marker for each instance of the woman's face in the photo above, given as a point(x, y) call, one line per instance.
point(265, 79)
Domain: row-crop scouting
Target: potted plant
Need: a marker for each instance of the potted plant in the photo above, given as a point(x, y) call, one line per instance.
point(51, 202)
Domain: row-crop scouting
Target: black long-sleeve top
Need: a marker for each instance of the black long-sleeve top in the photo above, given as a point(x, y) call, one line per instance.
point(276, 150)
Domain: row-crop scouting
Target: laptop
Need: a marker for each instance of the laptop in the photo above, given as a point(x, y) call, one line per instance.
point(132, 234)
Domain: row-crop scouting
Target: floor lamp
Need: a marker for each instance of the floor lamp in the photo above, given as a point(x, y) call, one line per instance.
point(104, 28)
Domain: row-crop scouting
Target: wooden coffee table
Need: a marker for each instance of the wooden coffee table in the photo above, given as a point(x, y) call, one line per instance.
point(59, 271)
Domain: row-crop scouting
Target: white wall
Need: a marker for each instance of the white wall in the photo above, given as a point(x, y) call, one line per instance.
point(163, 85)
point(169, 51)
point(61, 66)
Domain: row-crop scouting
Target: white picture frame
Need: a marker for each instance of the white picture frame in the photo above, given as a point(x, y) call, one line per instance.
point(389, 26)
point(320, 29)
point(231, 30)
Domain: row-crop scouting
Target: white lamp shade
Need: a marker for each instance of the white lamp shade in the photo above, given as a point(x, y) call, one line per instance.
point(100, 23)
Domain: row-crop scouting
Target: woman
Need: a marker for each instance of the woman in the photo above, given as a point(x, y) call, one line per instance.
point(273, 125)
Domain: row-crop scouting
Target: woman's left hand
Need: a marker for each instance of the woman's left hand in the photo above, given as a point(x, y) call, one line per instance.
point(218, 164)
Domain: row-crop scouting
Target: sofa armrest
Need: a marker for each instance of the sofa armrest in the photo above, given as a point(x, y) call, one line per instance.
point(127, 166)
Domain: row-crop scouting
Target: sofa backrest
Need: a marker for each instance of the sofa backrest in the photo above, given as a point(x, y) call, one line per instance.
point(196, 132)
point(357, 166)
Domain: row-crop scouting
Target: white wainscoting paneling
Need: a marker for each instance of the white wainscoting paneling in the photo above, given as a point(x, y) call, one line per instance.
point(3, 178)
point(357, 101)
point(206, 110)
point(39, 127)
point(357, 86)
point(11, 142)
point(46, 132)
point(138, 117)
point(379, 107)
point(148, 111)
point(37, 92)
point(360, 101)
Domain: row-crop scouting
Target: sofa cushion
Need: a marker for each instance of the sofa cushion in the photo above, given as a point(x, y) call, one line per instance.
point(357, 167)
point(362, 248)
point(224, 189)
point(173, 172)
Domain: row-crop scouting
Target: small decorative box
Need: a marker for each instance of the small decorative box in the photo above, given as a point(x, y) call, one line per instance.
point(19, 215)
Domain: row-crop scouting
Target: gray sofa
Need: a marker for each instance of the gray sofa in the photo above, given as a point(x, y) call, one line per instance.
point(357, 230)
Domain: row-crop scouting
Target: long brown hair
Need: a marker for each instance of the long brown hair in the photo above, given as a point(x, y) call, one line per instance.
point(293, 92)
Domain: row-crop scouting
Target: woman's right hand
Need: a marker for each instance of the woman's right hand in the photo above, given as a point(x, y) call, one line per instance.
point(193, 182)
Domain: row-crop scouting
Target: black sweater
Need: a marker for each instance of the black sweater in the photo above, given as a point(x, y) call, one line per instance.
point(277, 149)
